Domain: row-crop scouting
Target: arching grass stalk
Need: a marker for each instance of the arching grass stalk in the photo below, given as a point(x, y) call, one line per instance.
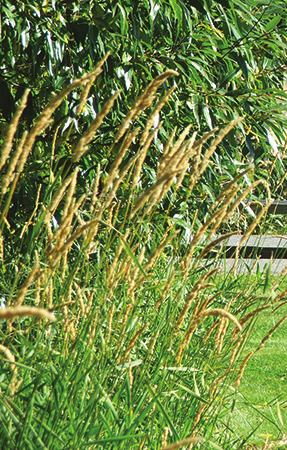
point(147, 336)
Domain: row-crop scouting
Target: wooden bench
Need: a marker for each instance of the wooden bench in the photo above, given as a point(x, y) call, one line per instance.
point(277, 207)
point(264, 247)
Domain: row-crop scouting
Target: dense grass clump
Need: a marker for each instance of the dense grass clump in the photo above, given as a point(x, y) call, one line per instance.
point(116, 330)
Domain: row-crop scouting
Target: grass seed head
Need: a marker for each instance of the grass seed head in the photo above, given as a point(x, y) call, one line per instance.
point(144, 101)
point(188, 441)
point(242, 368)
point(82, 146)
point(8, 142)
point(164, 438)
point(21, 311)
point(33, 275)
point(9, 355)
point(222, 313)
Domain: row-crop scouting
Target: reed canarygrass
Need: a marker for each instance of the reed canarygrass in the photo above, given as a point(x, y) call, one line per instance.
point(180, 444)
point(192, 296)
point(242, 368)
point(164, 438)
point(10, 357)
point(126, 291)
point(82, 145)
point(221, 331)
point(33, 275)
point(8, 144)
point(144, 101)
point(20, 311)
point(222, 313)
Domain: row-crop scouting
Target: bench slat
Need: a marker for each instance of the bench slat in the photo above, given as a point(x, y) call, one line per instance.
point(277, 207)
point(264, 246)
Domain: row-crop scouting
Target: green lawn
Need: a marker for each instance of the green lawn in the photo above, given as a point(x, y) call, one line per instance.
point(262, 409)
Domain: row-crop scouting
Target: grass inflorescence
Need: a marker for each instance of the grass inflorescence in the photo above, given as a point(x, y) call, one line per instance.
point(115, 332)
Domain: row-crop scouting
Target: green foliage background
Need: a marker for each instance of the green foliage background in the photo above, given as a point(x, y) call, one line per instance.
point(230, 57)
point(231, 60)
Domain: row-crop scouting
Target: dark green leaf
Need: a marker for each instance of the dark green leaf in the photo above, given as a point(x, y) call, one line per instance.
point(272, 24)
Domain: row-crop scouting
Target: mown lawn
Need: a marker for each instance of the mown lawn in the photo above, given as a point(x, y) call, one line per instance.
point(262, 410)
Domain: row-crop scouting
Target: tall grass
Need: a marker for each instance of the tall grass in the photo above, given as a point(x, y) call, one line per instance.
point(115, 332)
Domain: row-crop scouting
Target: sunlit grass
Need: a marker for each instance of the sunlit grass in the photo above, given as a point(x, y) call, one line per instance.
point(263, 403)
point(147, 345)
